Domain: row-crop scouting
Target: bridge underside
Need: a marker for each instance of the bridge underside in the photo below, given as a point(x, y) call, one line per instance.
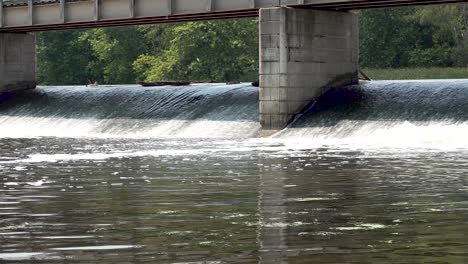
point(44, 15)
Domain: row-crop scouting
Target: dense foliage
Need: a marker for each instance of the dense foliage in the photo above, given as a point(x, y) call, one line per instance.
point(212, 50)
point(228, 50)
point(414, 37)
point(223, 51)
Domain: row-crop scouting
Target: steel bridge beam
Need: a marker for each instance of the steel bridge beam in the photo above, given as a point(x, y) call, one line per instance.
point(45, 15)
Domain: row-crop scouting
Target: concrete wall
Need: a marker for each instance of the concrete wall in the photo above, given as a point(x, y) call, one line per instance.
point(17, 62)
point(302, 54)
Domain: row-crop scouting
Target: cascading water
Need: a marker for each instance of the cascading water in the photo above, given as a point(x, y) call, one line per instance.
point(126, 174)
point(393, 113)
point(198, 111)
point(388, 113)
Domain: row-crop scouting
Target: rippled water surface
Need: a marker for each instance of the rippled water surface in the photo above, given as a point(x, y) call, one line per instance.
point(237, 201)
point(372, 173)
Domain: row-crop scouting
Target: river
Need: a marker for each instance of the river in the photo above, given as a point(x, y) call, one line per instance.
point(374, 173)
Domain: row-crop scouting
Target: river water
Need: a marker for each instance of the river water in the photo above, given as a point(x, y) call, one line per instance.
point(375, 173)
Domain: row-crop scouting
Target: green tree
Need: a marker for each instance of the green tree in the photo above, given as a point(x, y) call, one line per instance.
point(449, 34)
point(115, 49)
point(63, 58)
point(228, 50)
point(415, 37)
point(213, 50)
point(386, 37)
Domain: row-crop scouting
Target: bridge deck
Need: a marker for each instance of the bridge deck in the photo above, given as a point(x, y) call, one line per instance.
point(44, 15)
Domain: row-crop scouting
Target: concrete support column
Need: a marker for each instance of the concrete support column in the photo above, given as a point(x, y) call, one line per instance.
point(302, 54)
point(17, 62)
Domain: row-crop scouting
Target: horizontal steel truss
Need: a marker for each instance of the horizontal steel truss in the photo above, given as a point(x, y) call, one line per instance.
point(45, 15)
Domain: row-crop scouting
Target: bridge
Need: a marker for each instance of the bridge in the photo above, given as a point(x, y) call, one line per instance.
point(306, 46)
point(43, 15)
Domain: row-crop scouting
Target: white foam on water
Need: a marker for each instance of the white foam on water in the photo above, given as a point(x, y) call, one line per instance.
point(361, 227)
point(387, 114)
point(32, 127)
point(22, 256)
point(39, 158)
point(377, 134)
point(66, 237)
point(429, 114)
point(96, 248)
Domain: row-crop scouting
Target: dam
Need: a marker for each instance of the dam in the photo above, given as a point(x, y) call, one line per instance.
point(299, 40)
point(353, 172)
point(369, 112)
point(374, 172)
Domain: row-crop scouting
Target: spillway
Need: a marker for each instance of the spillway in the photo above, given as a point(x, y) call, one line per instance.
point(403, 113)
point(372, 173)
point(197, 111)
point(388, 113)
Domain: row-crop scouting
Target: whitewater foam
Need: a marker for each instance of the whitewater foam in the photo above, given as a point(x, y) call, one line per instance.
point(401, 114)
point(197, 111)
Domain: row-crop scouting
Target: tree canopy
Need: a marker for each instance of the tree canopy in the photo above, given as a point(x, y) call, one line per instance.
point(414, 37)
point(213, 50)
point(227, 50)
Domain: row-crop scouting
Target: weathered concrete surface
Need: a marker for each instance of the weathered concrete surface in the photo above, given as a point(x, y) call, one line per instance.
point(17, 62)
point(302, 54)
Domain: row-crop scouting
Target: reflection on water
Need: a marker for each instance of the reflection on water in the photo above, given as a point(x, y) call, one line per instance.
point(374, 173)
point(180, 201)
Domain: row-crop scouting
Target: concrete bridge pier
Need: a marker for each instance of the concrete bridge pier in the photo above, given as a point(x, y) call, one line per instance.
point(17, 62)
point(303, 53)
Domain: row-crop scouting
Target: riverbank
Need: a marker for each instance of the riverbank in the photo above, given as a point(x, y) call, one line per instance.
point(417, 73)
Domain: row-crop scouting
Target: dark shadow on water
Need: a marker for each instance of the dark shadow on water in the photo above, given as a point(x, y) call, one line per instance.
point(390, 101)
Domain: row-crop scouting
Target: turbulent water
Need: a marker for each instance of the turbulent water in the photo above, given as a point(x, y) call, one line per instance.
point(374, 173)
point(204, 111)
point(389, 113)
